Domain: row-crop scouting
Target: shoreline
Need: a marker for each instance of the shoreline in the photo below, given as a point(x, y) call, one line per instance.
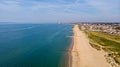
point(69, 54)
point(82, 54)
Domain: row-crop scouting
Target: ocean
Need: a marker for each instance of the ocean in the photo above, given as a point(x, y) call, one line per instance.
point(34, 45)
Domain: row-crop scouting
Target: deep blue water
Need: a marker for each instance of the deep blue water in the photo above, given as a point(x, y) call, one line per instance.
point(34, 45)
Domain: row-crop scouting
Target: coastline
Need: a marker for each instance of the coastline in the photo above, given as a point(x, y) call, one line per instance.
point(69, 53)
point(82, 54)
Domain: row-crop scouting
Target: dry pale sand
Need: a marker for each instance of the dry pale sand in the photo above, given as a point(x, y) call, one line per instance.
point(83, 55)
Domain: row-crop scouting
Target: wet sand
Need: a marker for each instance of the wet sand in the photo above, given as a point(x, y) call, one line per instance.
point(83, 55)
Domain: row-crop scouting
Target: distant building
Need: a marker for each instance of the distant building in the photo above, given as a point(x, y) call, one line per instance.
point(112, 28)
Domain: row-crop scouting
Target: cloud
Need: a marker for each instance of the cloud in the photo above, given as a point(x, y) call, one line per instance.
point(8, 5)
point(62, 10)
point(105, 6)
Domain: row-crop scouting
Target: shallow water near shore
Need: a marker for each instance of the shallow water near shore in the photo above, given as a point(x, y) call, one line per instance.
point(34, 45)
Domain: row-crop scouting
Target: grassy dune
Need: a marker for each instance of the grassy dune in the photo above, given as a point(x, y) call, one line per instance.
point(106, 42)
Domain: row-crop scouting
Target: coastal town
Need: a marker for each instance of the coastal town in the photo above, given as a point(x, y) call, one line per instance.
point(110, 28)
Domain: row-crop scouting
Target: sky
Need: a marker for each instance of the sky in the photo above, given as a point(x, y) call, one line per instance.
point(59, 11)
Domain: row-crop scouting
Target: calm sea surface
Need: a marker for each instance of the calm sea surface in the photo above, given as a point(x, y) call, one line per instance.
point(34, 45)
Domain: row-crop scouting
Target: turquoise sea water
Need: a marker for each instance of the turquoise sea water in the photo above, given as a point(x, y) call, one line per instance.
point(34, 45)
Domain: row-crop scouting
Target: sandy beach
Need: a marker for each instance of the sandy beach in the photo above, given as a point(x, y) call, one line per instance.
point(83, 55)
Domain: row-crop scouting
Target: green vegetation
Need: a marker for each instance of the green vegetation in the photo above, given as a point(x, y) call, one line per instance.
point(95, 46)
point(108, 43)
point(107, 36)
point(117, 59)
point(117, 28)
